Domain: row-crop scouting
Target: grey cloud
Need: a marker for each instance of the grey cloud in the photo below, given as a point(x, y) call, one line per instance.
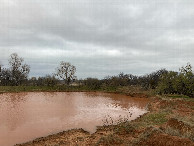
point(100, 37)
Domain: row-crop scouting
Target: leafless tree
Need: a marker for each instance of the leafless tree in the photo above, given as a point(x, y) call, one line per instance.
point(66, 72)
point(19, 70)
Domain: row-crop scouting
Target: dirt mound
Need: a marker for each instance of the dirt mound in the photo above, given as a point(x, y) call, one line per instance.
point(178, 125)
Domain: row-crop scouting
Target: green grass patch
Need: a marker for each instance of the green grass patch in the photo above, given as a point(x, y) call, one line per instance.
point(60, 88)
point(155, 118)
point(4, 89)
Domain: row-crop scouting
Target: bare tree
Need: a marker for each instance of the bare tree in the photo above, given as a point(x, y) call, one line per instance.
point(18, 70)
point(66, 72)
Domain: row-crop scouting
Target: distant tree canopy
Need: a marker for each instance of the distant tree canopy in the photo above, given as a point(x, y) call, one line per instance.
point(66, 72)
point(150, 81)
point(48, 80)
point(162, 81)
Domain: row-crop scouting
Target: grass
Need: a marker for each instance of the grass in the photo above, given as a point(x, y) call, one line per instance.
point(146, 134)
point(175, 132)
point(189, 120)
point(109, 140)
point(125, 128)
point(59, 88)
point(154, 119)
point(176, 96)
point(4, 89)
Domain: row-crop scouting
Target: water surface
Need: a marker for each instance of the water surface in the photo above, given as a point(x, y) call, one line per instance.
point(26, 116)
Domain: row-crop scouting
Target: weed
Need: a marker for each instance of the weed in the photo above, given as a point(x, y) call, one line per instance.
point(124, 128)
point(108, 120)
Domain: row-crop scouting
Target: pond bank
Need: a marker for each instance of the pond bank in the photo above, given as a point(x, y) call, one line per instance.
point(132, 91)
point(169, 122)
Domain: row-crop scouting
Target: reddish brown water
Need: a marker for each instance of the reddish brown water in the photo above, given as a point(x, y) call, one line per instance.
point(26, 116)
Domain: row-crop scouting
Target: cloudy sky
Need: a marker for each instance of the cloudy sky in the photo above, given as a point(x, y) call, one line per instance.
point(99, 37)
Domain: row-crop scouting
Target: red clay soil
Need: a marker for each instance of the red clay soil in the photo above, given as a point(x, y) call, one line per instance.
point(179, 125)
point(70, 137)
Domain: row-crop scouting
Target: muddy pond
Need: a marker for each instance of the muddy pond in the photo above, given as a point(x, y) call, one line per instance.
point(26, 116)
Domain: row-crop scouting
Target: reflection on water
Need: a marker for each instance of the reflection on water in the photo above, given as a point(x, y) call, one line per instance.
point(25, 116)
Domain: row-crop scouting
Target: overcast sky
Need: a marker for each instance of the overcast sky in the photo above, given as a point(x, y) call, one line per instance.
point(99, 37)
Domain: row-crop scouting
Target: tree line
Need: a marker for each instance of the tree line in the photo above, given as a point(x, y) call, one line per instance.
point(162, 81)
point(17, 74)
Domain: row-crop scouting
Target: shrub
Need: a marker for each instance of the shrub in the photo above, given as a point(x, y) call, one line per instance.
point(177, 83)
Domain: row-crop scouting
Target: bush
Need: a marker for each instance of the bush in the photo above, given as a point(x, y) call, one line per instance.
point(177, 83)
point(92, 83)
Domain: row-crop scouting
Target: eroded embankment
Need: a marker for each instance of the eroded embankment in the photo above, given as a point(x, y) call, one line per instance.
point(169, 122)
